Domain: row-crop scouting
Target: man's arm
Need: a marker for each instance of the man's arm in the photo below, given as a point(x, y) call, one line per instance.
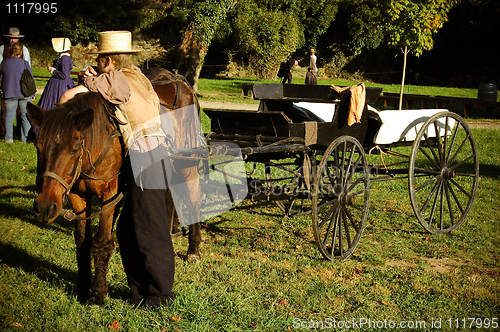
point(69, 94)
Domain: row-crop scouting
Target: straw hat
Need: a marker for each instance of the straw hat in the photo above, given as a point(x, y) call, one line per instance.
point(115, 42)
point(14, 33)
point(61, 44)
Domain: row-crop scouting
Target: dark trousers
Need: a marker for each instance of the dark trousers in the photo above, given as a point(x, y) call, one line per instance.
point(146, 245)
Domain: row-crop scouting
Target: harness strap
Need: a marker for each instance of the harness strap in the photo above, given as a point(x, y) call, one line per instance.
point(55, 176)
point(93, 166)
point(70, 215)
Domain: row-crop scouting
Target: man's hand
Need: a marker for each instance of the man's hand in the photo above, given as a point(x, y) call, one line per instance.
point(89, 72)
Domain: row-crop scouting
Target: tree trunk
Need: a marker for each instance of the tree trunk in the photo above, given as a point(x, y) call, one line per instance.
point(405, 53)
point(198, 37)
point(193, 58)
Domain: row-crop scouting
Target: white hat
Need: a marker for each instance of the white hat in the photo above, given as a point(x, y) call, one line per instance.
point(115, 42)
point(61, 44)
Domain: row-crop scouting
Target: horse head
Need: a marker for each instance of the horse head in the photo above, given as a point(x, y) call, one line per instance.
point(60, 148)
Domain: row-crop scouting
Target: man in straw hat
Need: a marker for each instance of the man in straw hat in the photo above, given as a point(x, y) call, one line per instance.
point(143, 232)
point(12, 36)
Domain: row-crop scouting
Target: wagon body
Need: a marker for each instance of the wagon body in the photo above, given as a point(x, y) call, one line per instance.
point(318, 165)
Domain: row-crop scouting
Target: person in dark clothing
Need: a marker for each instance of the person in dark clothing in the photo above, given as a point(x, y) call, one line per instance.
point(12, 36)
point(60, 81)
point(10, 79)
point(286, 70)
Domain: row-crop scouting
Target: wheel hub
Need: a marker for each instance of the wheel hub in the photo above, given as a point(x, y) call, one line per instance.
point(448, 173)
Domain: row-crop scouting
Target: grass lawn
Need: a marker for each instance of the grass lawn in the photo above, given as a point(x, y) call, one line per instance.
point(261, 271)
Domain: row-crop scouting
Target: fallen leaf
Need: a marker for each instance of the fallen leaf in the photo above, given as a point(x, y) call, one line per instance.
point(298, 247)
point(175, 318)
point(283, 302)
point(384, 302)
point(114, 326)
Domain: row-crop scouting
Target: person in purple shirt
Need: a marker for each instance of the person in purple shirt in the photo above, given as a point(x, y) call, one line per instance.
point(60, 81)
point(10, 78)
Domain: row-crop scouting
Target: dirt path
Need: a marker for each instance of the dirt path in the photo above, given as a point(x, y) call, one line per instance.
point(228, 105)
point(492, 124)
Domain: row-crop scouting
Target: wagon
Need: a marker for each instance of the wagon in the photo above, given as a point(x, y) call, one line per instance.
point(305, 152)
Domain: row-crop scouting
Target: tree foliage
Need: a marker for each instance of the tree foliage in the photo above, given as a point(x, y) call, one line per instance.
point(207, 17)
point(413, 23)
point(266, 36)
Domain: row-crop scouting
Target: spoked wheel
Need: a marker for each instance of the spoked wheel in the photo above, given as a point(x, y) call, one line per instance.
point(297, 187)
point(444, 173)
point(340, 198)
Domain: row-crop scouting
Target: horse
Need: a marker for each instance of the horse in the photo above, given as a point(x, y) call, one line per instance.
point(80, 156)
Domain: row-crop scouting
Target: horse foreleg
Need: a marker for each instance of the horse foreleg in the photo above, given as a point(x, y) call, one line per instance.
point(102, 250)
point(83, 241)
point(193, 253)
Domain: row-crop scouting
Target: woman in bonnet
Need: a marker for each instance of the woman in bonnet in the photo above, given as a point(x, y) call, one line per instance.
point(60, 81)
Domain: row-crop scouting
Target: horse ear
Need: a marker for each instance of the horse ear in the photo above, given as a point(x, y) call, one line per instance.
point(84, 119)
point(35, 114)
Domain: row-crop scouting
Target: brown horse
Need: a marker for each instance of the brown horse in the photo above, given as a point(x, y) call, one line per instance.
point(80, 156)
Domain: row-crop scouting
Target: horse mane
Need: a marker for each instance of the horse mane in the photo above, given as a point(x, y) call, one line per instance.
point(59, 122)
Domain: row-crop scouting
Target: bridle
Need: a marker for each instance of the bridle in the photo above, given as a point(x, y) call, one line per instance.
point(68, 214)
point(63, 182)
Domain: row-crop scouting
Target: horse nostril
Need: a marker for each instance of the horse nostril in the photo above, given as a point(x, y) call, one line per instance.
point(45, 213)
point(36, 208)
point(52, 211)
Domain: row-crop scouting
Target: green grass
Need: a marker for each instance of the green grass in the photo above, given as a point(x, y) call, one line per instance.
point(259, 270)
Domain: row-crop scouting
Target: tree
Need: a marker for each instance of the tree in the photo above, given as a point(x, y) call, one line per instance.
point(207, 17)
point(269, 31)
point(412, 24)
point(265, 36)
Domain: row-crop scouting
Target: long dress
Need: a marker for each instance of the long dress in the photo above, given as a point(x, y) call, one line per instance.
point(312, 72)
point(58, 83)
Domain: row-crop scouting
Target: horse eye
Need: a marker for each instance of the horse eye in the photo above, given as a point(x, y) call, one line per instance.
point(76, 148)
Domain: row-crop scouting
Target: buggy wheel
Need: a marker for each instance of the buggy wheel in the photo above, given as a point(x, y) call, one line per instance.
point(297, 188)
point(444, 173)
point(340, 198)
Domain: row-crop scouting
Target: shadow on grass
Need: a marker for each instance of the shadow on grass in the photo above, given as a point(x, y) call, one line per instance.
point(489, 170)
point(46, 271)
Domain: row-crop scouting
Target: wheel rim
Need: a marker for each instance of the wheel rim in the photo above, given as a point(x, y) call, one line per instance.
point(340, 198)
point(444, 173)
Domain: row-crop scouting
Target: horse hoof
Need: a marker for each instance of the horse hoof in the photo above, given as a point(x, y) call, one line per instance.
point(193, 258)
